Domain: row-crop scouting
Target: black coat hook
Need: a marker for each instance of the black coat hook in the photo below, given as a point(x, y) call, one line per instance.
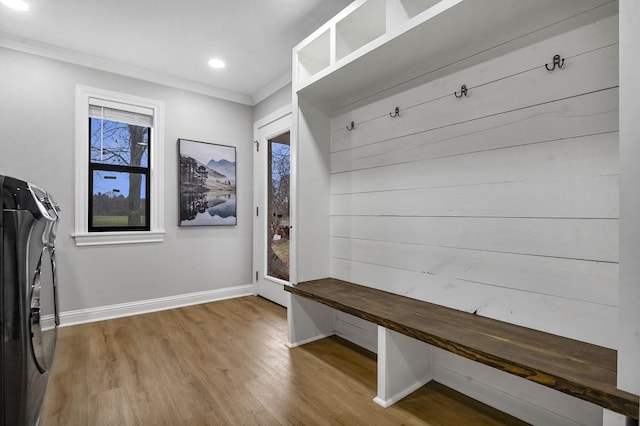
point(351, 127)
point(396, 113)
point(557, 62)
point(463, 92)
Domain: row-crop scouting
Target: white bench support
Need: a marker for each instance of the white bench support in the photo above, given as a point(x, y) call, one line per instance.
point(308, 321)
point(404, 365)
point(611, 418)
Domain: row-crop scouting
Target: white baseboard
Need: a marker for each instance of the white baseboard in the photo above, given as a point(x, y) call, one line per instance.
point(101, 313)
point(309, 340)
point(47, 322)
point(397, 397)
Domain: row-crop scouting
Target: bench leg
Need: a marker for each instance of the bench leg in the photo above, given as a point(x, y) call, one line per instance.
point(610, 418)
point(308, 321)
point(404, 365)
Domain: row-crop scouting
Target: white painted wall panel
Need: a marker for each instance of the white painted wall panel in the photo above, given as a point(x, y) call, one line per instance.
point(583, 115)
point(582, 239)
point(581, 196)
point(629, 354)
point(599, 34)
point(593, 155)
point(357, 330)
point(503, 203)
point(528, 401)
point(594, 282)
point(521, 71)
point(312, 215)
point(533, 87)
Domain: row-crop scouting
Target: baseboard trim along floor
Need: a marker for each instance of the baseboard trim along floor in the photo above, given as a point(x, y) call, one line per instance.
point(101, 313)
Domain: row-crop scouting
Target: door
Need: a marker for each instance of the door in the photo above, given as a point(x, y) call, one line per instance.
point(272, 225)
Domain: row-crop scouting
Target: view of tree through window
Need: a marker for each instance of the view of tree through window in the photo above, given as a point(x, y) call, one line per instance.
point(278, 214)
point(118, 175)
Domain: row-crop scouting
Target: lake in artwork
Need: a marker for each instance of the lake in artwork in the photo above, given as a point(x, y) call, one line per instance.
point(207, 184)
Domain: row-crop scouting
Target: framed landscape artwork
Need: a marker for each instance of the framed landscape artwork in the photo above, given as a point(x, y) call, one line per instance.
point(207, 183)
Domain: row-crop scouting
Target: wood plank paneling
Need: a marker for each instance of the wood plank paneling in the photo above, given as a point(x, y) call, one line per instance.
point(594, 282)
point(581, 196)
point(481, 382)
point(594, 155)
point(533, 87)
point(519, 91)
point(504, 202)
point(583, 115)
point(585, 239)
point(597, 35)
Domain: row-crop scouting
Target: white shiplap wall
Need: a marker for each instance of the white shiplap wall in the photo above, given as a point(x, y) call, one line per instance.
point(503, 203)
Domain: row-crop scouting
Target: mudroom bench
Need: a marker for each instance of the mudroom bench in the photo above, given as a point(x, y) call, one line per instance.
point(580, 369)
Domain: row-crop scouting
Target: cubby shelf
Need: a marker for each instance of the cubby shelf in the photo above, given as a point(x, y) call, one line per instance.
point(373, 46)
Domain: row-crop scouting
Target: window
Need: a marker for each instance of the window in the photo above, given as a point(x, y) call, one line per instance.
point(118, 169)
point(119, 179)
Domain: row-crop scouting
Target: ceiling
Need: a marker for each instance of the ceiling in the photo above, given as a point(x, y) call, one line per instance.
point(170, 41)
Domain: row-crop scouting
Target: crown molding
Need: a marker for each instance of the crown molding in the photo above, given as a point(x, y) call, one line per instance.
point(74, 57)
point(272, 87)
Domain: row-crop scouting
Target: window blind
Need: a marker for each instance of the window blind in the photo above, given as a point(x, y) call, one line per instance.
point(123, 113)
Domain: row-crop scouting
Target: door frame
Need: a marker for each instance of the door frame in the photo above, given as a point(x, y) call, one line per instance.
point(266, 128)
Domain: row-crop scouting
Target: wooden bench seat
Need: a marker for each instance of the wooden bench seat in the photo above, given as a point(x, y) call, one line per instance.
point(580, 369)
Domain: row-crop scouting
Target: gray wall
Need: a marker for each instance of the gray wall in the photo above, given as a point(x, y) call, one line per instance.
point(37, 144)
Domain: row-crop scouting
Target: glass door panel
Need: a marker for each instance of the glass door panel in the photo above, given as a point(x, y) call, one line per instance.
point(278, 195)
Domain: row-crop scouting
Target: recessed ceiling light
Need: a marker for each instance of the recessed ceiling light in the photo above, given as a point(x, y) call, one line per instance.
point(216, 63)
point(20, 5)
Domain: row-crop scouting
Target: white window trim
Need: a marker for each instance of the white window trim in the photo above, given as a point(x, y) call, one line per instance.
point(81, 235)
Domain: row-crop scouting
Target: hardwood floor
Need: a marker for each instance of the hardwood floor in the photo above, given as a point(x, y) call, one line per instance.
point(226, 363)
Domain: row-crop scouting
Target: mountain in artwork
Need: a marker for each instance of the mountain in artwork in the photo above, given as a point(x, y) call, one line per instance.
point(224, 167)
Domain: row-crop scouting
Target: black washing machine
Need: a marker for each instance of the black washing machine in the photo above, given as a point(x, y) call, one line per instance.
point(28, 306)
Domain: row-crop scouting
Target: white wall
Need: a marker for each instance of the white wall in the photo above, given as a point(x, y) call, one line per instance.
point(503, 203)
point(37, 144)
point(274, 102)
point(629, 352)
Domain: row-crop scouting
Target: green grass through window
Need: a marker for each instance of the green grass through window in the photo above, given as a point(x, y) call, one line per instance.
point(113, 220)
